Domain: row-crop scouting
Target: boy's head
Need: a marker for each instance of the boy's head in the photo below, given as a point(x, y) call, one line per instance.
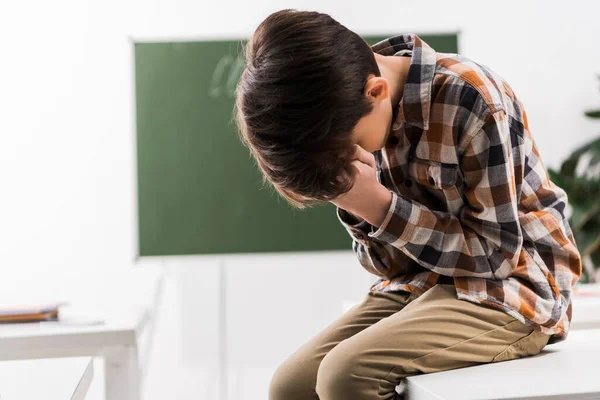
point(311, 89)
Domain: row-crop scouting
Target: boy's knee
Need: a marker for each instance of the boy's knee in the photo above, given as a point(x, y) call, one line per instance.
point(292, 382)
point(337, 375)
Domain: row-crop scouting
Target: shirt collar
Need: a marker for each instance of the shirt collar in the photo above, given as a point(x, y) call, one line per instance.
point(414, 106)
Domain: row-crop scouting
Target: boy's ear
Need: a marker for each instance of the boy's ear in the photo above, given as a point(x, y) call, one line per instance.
point(376, 87)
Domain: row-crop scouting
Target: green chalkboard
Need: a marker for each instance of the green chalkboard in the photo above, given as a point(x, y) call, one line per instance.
point(199, 192)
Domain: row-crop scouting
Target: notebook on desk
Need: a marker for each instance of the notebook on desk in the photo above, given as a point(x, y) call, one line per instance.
point(33, 312)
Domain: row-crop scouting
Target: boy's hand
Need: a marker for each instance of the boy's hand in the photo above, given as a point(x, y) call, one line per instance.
point(368, 198)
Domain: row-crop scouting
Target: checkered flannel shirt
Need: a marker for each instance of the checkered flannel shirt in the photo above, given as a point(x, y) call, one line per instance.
point(471, 198)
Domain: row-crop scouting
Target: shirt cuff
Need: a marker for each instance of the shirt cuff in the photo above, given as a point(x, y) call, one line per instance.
point(398, 226)
point(357, 228)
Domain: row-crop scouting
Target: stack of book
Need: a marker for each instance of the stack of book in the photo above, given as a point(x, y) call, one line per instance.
point(33, 312)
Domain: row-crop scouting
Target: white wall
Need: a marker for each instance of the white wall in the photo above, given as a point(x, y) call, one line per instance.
point(67, 153)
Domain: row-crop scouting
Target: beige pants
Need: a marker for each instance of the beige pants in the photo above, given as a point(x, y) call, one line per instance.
point(367, 352)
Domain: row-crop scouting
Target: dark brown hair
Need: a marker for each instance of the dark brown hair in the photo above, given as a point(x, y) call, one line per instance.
point(299, 97)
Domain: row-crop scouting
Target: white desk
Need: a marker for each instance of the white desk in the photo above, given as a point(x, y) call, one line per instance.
point(586, 308)
point(130, 297)
point(565, 371)
point(49, 379)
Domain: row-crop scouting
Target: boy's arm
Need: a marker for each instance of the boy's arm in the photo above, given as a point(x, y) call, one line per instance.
point(376, 257)
point(485, 239)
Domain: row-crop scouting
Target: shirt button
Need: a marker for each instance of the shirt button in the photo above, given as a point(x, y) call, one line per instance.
point(407, 183)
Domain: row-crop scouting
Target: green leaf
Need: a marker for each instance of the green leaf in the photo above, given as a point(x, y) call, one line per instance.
point(555, 177)
point(581, 190)
point(587, 242)
point(567, 169)
point(596, 257)
point(584, 212)
point(593, 113)
point(593, 145)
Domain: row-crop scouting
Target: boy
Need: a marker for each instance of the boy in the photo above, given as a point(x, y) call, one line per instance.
point(436, 177)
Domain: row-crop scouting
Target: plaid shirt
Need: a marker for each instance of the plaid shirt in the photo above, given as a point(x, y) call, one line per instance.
point(471, 198)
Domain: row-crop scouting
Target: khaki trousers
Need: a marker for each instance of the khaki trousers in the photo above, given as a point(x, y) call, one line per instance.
point(367, 352)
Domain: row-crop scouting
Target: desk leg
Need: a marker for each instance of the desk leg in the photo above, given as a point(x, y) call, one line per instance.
point(122, 373)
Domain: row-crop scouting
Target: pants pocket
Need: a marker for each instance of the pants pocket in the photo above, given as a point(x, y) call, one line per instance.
point(529, 345)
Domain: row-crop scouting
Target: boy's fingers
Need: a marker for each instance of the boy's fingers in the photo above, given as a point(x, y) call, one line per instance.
point(355, 168)
point(359, 167)
point(365, 156)
point(350, 171)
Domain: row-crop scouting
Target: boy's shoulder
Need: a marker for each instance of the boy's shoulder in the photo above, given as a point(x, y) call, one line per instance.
point(494, 91)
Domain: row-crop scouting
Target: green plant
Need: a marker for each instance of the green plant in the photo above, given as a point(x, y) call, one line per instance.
point(579, 176)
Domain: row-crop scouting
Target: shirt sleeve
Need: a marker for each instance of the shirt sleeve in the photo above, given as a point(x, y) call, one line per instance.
point(353, 225)
point(378, 258)
point(485, 239)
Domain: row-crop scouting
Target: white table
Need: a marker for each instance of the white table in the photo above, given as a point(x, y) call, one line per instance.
point(566, 370)
point(586, 307)
point(49, 379)
point(124, 302)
